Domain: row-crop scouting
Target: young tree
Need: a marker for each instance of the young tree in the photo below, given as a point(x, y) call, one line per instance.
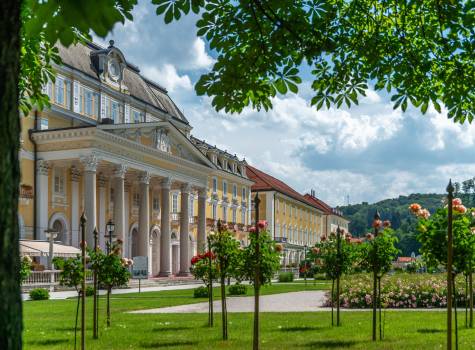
point(260, 262)
point(203, 267)
point(377, 255)
point(71, 275)
point(112, 270)
point(226, 250)
point(418, 51)
point(433, 238)
point(25, 268)
point(334, 256)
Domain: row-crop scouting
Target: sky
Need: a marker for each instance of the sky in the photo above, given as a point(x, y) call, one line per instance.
point(367, 153)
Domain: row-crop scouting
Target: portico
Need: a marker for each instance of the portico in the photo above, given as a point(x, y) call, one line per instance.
point(102, 172)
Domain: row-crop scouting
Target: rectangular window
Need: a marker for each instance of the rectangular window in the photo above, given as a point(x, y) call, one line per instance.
point(112, 195)
point(137, 117)
point(136, 199)
point(44, 124)
point(243, 193)
point(225, 214)
point(243, 216)
point(192, 207)
point(89, 102)
point(59, 182)
point(234, 215)
point(175, 203)
point(62, 92)
point(113, 109)
point(234, 191)
point(156, 204)
point(215, 185)
point(214, 211)
point(225, 189)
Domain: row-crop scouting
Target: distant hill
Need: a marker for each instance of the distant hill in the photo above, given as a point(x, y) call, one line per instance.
point(395, 210)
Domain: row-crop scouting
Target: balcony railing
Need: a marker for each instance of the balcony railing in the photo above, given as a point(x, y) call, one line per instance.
point(280, 239)
point(174, 216)
point(48, 278)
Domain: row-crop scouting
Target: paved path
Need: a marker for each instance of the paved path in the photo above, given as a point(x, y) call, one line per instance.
point(306, 301)
point(72, 293)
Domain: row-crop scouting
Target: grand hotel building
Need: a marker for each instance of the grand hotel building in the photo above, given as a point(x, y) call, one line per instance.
point(115, 146)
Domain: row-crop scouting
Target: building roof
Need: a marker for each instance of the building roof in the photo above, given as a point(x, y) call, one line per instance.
point(323, 206)
point(266, 182)
point(80, 57)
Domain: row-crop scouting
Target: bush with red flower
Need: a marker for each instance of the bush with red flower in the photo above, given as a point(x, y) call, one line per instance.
point(200, 267)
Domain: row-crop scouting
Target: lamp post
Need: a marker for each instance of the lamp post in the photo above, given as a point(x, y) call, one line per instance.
point(95, 307)
point(210, 288)
point(51, 235)
point(110, 228)
point(450, 198)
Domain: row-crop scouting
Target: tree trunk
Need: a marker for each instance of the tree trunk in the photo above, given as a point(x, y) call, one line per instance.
point(375, 296)
point(338, 301)
point(224, 315)
point(108, 306)
point(470, 288)
point(381, 331)
point(10, 292)
point(255, 341)
point(332, 299)
point(76, 324)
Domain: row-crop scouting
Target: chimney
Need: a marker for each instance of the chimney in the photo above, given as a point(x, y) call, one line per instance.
point(312, 193)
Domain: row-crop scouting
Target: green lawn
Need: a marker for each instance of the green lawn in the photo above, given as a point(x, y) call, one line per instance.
point(50, 325)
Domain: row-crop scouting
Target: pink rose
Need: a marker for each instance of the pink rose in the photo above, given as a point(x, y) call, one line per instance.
point(456, 201)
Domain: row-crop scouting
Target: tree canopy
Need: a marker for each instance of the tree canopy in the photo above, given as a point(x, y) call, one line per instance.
point(420, 52)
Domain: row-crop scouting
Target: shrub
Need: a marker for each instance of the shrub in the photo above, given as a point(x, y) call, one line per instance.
point(286, 277)
point(237, 289)
point(200, 292)
point(89, 291)
point(39, 294)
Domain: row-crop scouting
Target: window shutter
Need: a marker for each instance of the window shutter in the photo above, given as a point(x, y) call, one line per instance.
point(126, 113)
point(76, 96)
point(103, 106)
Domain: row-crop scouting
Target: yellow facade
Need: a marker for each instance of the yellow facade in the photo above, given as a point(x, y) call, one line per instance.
point(148, 140)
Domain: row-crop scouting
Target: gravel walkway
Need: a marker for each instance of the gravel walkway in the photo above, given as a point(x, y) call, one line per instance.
point(306, 301)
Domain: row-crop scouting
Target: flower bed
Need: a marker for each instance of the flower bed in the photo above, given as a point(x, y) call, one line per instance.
point(399, 291)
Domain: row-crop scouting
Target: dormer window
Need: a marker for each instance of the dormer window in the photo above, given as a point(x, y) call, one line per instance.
point(114, 69)
point(225, 164)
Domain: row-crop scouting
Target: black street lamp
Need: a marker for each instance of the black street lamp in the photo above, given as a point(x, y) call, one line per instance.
point(210, 287)
point(110, 228)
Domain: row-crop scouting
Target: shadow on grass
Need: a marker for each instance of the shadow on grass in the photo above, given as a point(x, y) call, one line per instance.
point(46, 342)
point(167, 344)
point(160, 329)
point(299, 329)
point(430, 330)
point(330, 344)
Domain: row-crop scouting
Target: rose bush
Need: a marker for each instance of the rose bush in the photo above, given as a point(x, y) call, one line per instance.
point(404, 291)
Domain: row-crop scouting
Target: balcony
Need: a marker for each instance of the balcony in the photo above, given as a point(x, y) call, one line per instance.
point(280, 239)
point(174, 217)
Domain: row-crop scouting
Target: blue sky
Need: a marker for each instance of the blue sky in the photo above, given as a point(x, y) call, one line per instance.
point(369, 152)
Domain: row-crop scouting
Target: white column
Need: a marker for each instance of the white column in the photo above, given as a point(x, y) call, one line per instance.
point(75, 178)
point(144, 216)
point(119, 175)
point(127, 245)
point(165, 238)
point(90, 166)
point(42, 192)
point(184, 230)
point(101, 229)
point(202, 196)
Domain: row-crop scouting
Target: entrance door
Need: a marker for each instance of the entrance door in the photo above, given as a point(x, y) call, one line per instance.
point(135, 242)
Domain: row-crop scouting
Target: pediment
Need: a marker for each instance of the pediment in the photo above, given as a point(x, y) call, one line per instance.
point(162, 136)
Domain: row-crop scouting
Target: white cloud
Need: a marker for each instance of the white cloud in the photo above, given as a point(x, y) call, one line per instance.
point(201, 57)
point(168, 77)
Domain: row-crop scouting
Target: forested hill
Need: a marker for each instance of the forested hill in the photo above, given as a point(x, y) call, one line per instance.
point(395, 210)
